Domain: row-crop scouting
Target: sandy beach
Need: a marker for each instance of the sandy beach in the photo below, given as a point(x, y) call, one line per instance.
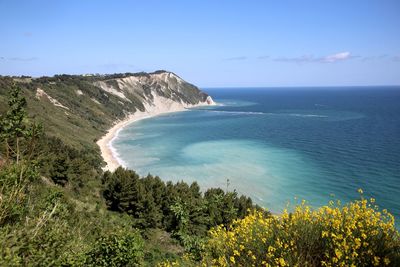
point(158, 107)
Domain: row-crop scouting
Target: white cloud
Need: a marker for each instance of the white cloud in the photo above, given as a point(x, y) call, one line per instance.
point(311, 59)
point(337, 57)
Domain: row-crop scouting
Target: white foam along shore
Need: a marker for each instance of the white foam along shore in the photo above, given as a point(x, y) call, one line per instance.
point(159, 106)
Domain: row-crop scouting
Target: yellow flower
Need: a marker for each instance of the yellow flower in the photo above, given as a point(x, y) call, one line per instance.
point(338, 253)
point(376, 261)
point(358, 242)
point(348, 230)
point(364, 236)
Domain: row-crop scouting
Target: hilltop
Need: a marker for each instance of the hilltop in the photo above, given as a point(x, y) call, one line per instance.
point(80, 108)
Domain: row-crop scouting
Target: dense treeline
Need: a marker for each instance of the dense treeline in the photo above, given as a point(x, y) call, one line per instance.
point(178, 208)
point(65, 165)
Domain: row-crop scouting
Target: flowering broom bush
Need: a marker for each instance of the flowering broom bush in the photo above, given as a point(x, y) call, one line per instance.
point(355, 234)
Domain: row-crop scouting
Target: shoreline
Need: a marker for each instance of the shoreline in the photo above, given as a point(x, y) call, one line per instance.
point(108, 153)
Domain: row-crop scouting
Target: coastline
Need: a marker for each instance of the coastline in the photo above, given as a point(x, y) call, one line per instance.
point(159, 107)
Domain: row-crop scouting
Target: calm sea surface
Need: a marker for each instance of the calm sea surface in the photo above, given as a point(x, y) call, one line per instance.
point(277, 145)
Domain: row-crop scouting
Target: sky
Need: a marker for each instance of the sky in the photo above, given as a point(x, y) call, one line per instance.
point(210, 43)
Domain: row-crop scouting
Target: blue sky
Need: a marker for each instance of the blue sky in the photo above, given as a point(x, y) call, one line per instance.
point(211, 43)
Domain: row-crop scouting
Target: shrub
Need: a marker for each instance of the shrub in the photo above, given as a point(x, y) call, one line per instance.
point(356, 234)
point(123, 249)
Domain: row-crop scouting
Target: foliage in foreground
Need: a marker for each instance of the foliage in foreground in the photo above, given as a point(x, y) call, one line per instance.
point(42, 224)
point(123, 249)
point(180, 209)
point(355, 234)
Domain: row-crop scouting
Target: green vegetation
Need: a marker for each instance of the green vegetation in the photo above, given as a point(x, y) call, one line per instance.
point(58, 207)
point(355, 234)
point(179, 209)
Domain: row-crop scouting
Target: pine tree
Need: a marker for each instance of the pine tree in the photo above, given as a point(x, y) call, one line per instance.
point(18, 137)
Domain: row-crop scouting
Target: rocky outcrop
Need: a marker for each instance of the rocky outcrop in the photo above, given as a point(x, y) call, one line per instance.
point(153, 88)
point(40, 94)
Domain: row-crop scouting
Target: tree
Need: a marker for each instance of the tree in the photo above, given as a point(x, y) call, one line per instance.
point(125, 192)
point(17, 135)
point(18, 139)
point(124, 249)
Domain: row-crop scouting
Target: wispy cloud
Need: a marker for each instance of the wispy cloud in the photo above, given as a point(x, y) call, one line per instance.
point(18, 58)
point(23, 58)
point(396, 58)
point(312, 59)
point(370, 58)
point(309, 58)
point(27, 34)
point(337, 57)
point(301, 59)
point(235, 58)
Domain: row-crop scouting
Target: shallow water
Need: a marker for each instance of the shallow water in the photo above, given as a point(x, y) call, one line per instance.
point(276, 145)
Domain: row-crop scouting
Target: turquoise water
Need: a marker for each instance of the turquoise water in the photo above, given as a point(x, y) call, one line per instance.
point(276, 145)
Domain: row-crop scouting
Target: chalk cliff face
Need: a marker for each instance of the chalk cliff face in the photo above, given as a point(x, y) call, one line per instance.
point(163, 90)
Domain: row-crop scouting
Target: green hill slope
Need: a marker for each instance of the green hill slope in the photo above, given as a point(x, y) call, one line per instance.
point(79, 109)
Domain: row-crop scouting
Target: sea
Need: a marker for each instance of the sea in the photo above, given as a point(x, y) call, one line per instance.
point(278, 145)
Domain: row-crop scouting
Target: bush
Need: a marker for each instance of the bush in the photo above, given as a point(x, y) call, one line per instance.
point(38, 236)
point(124, 249)
point(356, 234)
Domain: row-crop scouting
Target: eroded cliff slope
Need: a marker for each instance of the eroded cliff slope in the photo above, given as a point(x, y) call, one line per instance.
point(80, 108)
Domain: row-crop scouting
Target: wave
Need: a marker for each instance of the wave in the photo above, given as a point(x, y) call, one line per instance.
point(307, 115)
point(263, 113)
point(116, 155)
point(320, 105)
point(238, 112)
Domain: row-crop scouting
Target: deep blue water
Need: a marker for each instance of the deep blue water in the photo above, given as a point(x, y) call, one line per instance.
point(278, 144)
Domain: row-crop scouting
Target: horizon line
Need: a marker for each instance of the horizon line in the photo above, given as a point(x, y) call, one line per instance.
point(295, 86)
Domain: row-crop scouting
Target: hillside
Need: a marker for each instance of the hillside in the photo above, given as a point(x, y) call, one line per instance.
point(80, 108)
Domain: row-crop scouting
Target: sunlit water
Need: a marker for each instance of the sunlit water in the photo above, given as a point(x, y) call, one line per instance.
point(276, 145)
